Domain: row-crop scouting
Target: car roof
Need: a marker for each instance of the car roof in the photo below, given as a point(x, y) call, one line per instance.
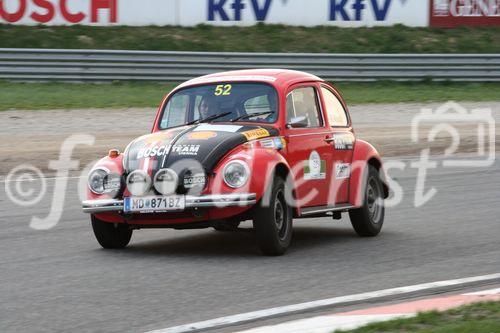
point(278, 77)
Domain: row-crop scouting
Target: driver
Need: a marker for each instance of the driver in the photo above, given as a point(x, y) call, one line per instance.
point(207, 107)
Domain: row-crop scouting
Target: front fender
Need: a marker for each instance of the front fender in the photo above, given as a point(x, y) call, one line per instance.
point(364, 154)
point(262, 163)
point(113, 165)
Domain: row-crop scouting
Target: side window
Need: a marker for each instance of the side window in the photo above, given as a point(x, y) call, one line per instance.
point(261, 104)
point(176, 111)
point(303, 102)
point(334, 109)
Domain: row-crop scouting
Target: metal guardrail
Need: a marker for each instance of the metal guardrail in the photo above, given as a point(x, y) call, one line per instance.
point(105, 65)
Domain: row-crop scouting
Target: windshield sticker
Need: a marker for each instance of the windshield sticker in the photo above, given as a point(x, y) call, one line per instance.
point(223, 90)
point(315, 168)
point(218, 128)
point(256, 134)
point(201, 135)
point(235, 78)
point(342, 171)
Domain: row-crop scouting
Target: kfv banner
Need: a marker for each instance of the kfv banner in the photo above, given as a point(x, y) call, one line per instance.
point(344, 13)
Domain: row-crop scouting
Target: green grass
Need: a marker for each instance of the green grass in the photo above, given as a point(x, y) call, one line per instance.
point(475, 318)
point(39, 96)
point(259, 38)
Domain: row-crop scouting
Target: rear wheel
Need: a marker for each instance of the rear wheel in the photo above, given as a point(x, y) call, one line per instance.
point(273, 221)
point(111, 235)
point(367, 221)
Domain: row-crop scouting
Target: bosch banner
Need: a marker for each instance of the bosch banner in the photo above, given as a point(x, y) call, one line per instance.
point(452, 13)
point(344, 13)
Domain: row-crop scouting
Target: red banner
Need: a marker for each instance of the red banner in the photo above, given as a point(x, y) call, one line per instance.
point(453, 13)
point(44, 11)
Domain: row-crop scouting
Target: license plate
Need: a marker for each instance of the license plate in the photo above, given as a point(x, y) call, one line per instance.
point(154, 204)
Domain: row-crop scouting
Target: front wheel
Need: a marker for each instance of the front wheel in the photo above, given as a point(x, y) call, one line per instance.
point(111, 235)
point(273, 221)
point(367, 221)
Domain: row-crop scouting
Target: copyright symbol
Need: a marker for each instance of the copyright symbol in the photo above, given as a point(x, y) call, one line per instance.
point(22, 184)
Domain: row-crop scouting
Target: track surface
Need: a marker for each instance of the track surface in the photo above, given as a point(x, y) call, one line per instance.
point(61, 280)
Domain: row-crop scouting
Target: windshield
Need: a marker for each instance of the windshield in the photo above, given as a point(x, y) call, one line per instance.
point(255, 102)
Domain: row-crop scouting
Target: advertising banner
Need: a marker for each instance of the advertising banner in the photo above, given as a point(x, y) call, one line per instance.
point(452, 13)
point(343, 13)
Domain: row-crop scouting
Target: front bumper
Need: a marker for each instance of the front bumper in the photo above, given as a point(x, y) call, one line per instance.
point(204, 201)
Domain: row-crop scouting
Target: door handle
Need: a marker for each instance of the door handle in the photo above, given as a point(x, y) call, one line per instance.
point(329, 139)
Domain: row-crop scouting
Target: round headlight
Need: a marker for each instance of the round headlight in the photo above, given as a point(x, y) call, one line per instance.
point(166, 181)
point(138, 183)
point(97, 179)
point(236, 174)
point(102, 181)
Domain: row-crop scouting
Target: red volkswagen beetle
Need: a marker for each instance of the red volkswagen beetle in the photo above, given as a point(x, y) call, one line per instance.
point(261, 145)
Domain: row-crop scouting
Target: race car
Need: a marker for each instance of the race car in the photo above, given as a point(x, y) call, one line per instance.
point(265, 145)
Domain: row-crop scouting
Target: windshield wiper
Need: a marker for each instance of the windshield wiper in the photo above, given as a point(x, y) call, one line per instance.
point(215, 116)
point(251, 115)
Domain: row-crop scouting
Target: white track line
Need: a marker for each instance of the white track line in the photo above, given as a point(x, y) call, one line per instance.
point(484, 292)
point(327, 324)
point(261, 314)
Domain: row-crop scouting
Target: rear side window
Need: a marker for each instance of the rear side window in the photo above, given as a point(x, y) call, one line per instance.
point(303, 102)
point(334, 109)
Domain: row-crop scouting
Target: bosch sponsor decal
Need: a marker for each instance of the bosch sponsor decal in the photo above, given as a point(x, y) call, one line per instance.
point(197, 180)
point(158, 151)
point(59, 11)
point(342, 170)
point(315, 167)
point(256, 134)
point(344, 141)
point(452, 13)
point(204, 135)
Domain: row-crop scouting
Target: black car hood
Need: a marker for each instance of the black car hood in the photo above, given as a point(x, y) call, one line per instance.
point(205, 143)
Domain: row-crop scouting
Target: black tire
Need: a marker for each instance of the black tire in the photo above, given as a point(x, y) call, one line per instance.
point(273, 222)
point(226, 225)
point(111, 235)
point(367, 221)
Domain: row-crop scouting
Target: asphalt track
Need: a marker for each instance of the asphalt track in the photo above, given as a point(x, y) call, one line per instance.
point(61, 280)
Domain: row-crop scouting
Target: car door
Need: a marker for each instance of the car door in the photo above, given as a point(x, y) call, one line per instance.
point(342, 141)
point(309, 155)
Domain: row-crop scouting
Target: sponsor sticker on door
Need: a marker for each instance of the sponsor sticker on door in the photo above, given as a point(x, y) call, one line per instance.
point(315, 167)
point(342, 170)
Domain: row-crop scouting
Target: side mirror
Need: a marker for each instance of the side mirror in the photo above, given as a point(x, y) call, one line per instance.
point(298, 122)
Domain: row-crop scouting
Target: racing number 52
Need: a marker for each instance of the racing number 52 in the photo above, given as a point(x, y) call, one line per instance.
point(223, 90)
